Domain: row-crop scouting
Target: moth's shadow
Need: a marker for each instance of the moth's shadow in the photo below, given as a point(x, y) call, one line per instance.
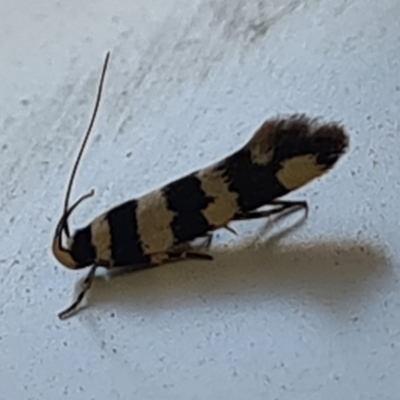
point(330, 273)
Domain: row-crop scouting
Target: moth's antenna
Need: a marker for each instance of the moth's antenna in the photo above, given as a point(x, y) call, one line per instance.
point(85, 139)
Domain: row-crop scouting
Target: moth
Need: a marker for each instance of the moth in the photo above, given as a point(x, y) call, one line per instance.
point(284, 154)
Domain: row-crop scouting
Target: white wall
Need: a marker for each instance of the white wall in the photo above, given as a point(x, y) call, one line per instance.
point(313, 314)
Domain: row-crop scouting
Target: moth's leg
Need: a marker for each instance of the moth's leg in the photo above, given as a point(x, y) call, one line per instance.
point(189, 253)
point(198, 256)
point(230, 229)
point(186, 250)
point(87, 283)
point(178, 255)
point(281, 206)
point(189, 246)
point(285, 204)
point(208, 237)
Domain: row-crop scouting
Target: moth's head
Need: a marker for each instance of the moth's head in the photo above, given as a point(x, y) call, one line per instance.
point(78, 252)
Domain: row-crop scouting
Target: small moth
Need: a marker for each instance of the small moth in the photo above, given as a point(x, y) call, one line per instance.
point(282, 155)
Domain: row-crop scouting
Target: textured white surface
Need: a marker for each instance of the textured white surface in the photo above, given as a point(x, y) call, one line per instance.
point(313, 314)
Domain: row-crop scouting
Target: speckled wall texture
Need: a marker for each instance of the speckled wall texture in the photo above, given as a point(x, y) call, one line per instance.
point(305, 313)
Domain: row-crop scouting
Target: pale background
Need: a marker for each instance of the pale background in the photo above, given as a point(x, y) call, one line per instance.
point(312, 314)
